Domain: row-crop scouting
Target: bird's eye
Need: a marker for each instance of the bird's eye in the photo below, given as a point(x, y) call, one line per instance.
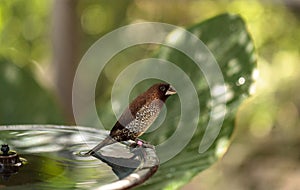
point(162, 88)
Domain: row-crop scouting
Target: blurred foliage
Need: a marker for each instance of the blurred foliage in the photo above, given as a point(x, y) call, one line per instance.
point(22, 99)
point(25, 30)
point(25, 48)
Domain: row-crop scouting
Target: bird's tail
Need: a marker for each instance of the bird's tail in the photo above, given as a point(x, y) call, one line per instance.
point(107, 141)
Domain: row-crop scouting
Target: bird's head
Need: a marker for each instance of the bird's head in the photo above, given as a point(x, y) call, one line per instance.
point(161, 91)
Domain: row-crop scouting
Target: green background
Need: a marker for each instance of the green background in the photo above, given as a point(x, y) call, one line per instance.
point(263, 152)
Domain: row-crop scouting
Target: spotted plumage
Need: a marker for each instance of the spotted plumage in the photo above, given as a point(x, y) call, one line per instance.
point(145, 117)
point(139, 115)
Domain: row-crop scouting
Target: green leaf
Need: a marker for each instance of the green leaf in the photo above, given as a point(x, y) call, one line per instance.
point(22, 99)
point(227, 38)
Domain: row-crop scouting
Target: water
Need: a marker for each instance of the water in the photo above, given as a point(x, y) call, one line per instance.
point(52, 158)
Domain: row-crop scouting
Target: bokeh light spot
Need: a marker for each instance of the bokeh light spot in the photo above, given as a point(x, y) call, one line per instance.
point(95, 20)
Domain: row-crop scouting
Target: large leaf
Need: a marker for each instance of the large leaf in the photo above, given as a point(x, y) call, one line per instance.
point(22, 99)
point(227, 38)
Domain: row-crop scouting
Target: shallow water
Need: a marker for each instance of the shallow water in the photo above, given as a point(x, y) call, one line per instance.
point(52, 158)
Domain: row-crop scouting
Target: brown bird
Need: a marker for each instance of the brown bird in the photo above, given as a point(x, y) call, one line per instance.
point(138, 116)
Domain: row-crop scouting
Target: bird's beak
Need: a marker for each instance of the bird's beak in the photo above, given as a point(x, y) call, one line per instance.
point(171, 91)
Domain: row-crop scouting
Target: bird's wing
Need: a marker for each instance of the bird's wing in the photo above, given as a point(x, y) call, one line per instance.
point(128, 115)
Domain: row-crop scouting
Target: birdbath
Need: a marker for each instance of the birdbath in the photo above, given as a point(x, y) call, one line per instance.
point(49, 157)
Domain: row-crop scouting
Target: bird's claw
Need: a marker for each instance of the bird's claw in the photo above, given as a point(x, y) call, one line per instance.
point(141, 143)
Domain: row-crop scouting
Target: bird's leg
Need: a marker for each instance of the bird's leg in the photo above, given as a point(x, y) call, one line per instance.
point(133, 144)
point(141, 143)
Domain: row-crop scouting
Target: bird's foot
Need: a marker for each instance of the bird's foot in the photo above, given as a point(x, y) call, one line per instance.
point(141, 143)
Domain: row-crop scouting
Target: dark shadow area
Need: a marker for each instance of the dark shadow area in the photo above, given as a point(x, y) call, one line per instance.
point(132, 164)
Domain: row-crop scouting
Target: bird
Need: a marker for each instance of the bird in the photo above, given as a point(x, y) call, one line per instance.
point(138, 116)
